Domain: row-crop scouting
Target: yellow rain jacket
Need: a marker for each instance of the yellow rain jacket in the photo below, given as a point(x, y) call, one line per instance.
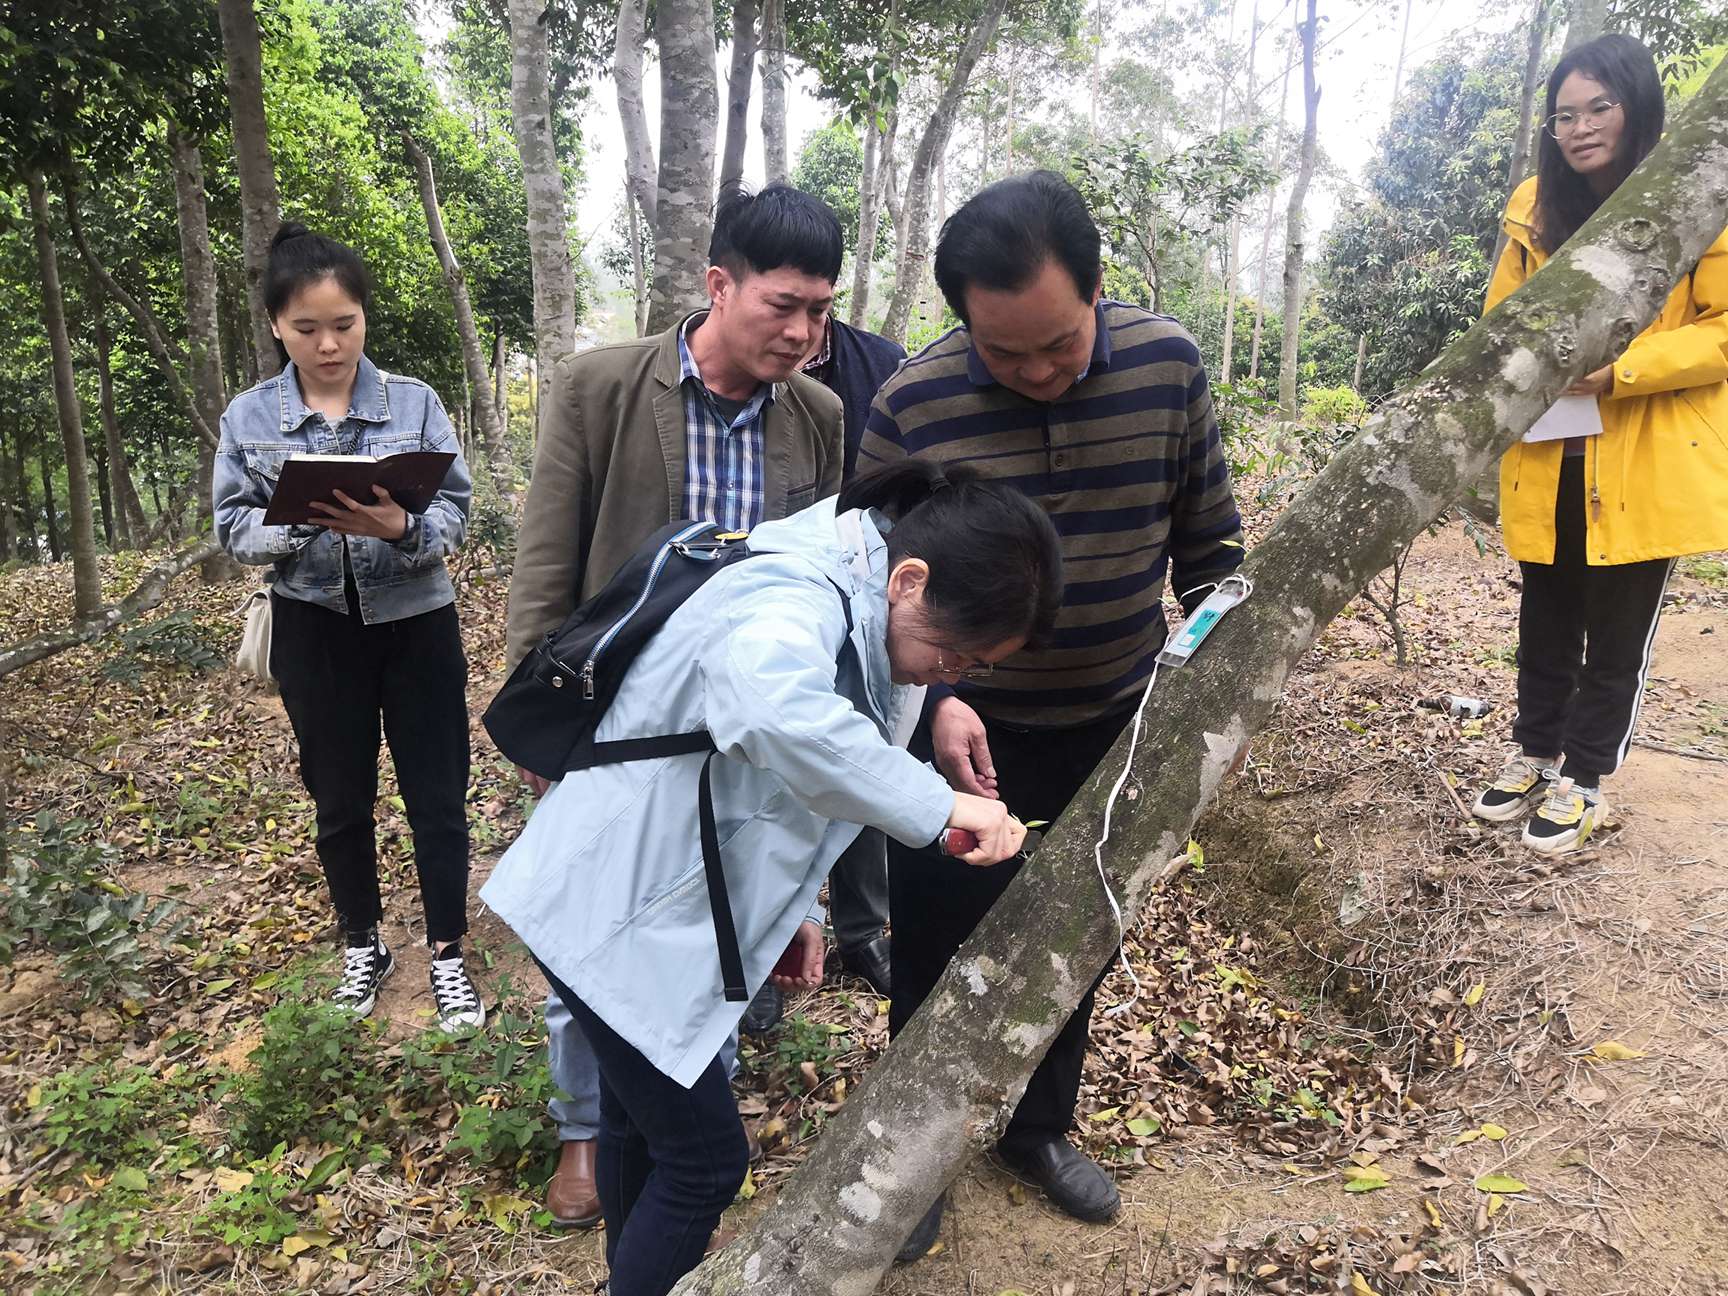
point(1656, 480)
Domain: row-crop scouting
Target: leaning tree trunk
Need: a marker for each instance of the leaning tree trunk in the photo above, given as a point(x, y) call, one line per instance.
point(203, 333)
point(473, 359)
point(86, 577)
point(947, 1086)
point(738, 77)
point(642, 195)
point(128, 508)
point(260, 208)
point(1585, 22)
point(146, 321)
point(1294, 243)
point(776, 168)
point(543, 181)
point(909, 272)
point(689, 110)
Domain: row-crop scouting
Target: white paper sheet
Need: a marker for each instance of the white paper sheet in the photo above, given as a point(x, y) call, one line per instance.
point(1571, 416)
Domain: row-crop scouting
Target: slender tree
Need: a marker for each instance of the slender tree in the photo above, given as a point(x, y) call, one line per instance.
point(86, 577)
point(775, 163)
point(948, 1084)
point(260, 208)
point(543, 181)
point(129, 523)
point(1586, 20)
point(738, 78)
point(909, 272)
point(1294, 241)
point(1262, 270)
point(1521, 148)
point(689, 116)
point(641, 186)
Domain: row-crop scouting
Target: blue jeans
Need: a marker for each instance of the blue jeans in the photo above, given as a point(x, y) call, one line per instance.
point(670, 1159)
point(575, 1072)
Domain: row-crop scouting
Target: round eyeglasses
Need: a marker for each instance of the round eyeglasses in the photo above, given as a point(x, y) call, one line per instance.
point(1564, 125)
point(976, 671)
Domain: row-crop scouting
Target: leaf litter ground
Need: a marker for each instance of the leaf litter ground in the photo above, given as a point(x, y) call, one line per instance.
point(1362, 1019)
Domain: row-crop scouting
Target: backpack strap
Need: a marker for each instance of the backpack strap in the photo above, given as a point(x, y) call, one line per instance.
point(719, 902)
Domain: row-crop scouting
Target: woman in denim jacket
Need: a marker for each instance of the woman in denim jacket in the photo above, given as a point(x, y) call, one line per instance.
point(364, 611)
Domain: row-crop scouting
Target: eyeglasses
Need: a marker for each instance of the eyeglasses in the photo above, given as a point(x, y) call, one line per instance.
point(1563, 125)
point(976, 671)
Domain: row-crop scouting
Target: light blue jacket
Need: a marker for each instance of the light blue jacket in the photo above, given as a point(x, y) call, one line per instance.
point(262, 427)
point(605, 885)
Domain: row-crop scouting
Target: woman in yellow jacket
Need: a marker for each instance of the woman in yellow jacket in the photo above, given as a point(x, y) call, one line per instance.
point(1597, 521)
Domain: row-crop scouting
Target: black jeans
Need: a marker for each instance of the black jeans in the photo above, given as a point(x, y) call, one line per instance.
point(338, 677)
point(936, 901)
point(670, 1159)
point(1584, 640)
point(858, 892)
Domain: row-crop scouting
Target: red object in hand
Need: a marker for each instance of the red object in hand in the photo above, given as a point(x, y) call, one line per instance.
point(791, 963)
point(957, 841)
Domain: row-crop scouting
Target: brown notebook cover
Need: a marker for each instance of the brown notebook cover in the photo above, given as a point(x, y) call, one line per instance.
point(412, 478)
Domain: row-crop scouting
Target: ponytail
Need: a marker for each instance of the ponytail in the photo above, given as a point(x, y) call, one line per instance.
point(994, 558)
point(299, 258)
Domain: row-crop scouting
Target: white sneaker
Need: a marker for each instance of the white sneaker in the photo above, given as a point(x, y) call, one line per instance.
point(1565, 820)
point(1522, 782)
point(459, 1006)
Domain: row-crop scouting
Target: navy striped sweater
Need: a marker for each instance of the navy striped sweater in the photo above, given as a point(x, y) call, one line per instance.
point(1128, 464)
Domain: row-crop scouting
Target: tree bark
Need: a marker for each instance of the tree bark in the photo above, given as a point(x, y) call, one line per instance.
point(1266, 225)
point(203, 333)
point(543, 181)
point(909, 273)
point(260, 208)
point(145, 319)
point(640, 182)
point(1232, 271)
point(872, 206)
point(738, 78)
point(1403, 44)
point(776, 167)
point(473, 359)
point(149, 594)
point(26, 507)
point(1521, 148)
point(50, 510)
point(104, 505)
point(1294, 242)
point(1361, 355)
point(128, 508)
point(1585, 22)
point(689, 115)
point(9, 546)
point(946, 1087)
point(86, 577)
point(500, 387)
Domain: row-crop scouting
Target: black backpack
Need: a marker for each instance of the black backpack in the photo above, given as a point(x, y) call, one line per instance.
point(544, 717)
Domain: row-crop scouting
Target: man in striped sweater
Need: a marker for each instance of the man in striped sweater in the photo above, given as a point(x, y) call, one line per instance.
point(1101, 412)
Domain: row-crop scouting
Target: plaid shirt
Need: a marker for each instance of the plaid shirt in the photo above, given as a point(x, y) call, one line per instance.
point(722, 462)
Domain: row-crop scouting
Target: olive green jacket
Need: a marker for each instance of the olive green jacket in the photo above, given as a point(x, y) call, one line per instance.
point(609, 472)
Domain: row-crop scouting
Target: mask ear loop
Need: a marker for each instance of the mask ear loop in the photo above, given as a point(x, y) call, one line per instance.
point(1117, 1010)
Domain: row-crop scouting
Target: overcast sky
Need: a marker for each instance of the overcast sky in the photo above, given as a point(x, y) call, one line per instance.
point(1354, 68)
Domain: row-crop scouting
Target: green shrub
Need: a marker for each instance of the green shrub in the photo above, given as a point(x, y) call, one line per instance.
point(176, 642)
point(255, 1214)
point(110, 1115)
point(1330, 407)
point(59, 894)
point(318, 1075)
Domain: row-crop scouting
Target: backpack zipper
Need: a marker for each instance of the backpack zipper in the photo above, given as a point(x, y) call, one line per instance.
point(613, 630)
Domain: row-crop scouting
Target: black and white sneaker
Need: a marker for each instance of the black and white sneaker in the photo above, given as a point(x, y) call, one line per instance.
point(1522, 783)
point(459, 1006)
point(365, 963)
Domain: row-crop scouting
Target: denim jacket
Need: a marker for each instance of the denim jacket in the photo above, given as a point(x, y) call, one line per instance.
point(388, 414)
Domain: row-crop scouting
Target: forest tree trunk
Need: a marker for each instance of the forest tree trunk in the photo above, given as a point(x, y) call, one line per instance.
point(9, 546)
point(776, 167)
point(473, 359)
point(50, 510)
point(1260, 272)
point(1521, 148)
point(946, 1087)
point(86, 576)
point(1294, 243)
point(501, 387)
point(260, 208)
point(129, 519)
point(640, 183)
point(738, 78)
point(553, 273)
point(909, 272)
point(689, 115)
point(203, 332)
point(26, 507)
point(872, 207)
point(1586, 20)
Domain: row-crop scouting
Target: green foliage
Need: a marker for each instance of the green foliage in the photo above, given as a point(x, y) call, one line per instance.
point(316, 1076)
point(800, 1040)
point(60, 895)
point(258, 1213)
point(1330, 407)
point(107, 1114)
point(830, 166)
point(499, 1081)
point(177, 642)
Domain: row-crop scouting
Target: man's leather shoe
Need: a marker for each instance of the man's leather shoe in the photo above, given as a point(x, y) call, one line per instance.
point(918, 1245)
point(1075, 1184)
point(571, 1196)
point(765, 1010)
point(870, 961)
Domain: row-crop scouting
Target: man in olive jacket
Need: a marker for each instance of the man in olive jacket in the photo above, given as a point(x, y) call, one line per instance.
point(709, 420)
